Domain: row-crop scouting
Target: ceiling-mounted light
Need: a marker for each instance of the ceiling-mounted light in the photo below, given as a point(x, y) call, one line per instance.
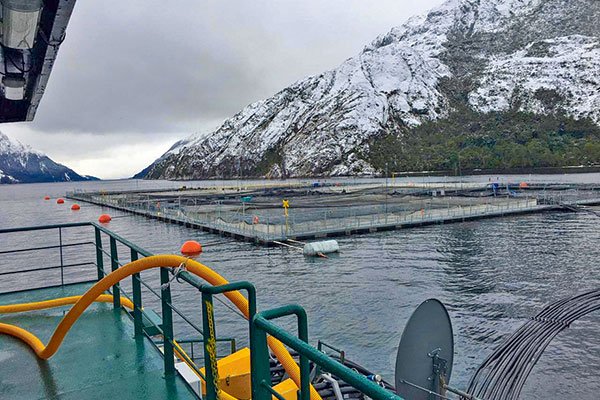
point(14, 87)
point(20, 20)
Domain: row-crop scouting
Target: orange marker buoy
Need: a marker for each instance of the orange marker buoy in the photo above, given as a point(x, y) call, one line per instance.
point(104, 218)
point(60, 201)
point(75, 207)
point(191, 249)
point(523, 185)
point(46, 197)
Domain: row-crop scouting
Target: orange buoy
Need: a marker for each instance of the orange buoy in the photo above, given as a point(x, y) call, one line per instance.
point(191, 249)
point(60, 201)
point(46, 197)
point(75, 207)
point(523, 185)
point(104, 218)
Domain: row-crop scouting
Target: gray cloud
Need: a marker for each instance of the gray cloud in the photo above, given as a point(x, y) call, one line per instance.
point(154, 71)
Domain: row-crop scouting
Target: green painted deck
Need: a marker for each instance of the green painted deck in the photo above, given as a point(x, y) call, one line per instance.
point(99, 359)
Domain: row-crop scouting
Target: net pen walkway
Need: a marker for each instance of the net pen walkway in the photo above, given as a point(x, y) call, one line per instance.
point(269, 226)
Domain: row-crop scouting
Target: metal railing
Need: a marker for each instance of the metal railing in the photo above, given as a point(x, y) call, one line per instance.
point(259, 327)
point(143, 319)
point(60, 247)
point(261, 382)
point(259, 324)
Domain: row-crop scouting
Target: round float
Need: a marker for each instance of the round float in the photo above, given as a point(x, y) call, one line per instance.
point(191, 249)
point(104, 218)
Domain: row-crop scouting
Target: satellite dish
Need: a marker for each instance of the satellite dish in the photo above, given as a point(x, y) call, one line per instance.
point(427, 345)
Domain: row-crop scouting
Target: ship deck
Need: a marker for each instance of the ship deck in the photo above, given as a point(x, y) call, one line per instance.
point(99, 359)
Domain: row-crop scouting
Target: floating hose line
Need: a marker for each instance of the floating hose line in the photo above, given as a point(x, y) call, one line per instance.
point(157, 261)
point(503, 374)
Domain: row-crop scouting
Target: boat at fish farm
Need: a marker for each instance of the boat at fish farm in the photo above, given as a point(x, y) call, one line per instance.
point(101, 332)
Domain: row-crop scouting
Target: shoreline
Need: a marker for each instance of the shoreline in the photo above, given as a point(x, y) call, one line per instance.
point(469, 172)
point(453, 173)
point(504, 171)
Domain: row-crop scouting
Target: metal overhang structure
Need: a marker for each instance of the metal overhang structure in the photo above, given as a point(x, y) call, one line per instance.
point(36, 62)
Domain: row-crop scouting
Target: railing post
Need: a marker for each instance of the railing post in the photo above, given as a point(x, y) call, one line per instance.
point(259, 359)
point(114, 265)
point(99, 255)
point(137, 299)
point(263, 356)
point(304, 364)
point(167, 319)
point(60, 244)
point(210, 347)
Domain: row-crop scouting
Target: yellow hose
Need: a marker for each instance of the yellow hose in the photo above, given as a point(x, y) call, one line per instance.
point(134, 267)
point(43, 305)
point(33, 341)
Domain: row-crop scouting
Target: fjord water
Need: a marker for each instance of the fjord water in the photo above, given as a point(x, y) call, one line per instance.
point(491, 274)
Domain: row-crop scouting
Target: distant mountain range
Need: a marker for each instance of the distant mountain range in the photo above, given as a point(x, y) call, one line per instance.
point(440, 92)
point(21, 164)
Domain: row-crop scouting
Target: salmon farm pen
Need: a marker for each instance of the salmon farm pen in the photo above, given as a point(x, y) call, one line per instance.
point(271, 213)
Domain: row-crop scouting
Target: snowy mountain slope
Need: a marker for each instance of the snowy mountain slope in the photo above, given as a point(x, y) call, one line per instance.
point(561, 72)
point(21, 164)
point(540, 56)
point(174, 149)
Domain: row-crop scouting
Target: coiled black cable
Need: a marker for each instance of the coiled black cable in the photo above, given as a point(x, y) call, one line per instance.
point(504, 372)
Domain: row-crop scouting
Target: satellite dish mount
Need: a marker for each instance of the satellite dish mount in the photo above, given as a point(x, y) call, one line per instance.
point(425, 355)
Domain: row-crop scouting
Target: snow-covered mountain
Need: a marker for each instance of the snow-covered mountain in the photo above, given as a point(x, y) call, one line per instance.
point(175, 149)
point(21, 164)
point(540, 56)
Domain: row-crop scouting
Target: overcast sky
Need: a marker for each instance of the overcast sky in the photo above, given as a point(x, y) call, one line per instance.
point(132, 77)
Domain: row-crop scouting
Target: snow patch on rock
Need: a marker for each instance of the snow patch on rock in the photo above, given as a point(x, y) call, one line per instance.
point(568, 67)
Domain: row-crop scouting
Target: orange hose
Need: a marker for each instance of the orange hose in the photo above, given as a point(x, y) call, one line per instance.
point(134, 267)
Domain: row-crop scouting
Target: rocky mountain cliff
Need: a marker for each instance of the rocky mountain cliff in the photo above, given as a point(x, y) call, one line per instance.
point(21, 164)
point(500, 57)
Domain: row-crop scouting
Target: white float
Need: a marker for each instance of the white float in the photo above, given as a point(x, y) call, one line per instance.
point(323, 247)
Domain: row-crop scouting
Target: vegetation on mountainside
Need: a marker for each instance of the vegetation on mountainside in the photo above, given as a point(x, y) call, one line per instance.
point(468, 140)
point(272, 157)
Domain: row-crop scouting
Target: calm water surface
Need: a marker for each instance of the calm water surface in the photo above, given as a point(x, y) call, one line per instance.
point(492, 275)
